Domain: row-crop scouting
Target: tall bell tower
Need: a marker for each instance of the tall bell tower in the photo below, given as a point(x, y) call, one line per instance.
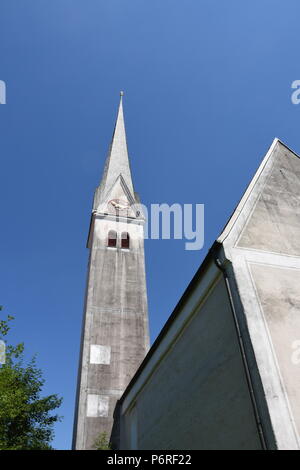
point(115, 336)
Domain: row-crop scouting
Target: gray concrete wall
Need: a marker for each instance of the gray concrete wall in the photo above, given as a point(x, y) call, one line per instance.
point(279, 296)
point(262, 240)
point(193, 393)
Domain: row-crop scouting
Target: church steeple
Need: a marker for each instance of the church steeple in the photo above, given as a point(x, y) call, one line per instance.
point(115, 337)
point(117, 162)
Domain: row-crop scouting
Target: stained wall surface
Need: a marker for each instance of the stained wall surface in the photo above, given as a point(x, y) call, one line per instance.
point(197, 396)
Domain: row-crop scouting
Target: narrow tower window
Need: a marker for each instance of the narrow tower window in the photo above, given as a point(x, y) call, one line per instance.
point(112, 239)
point(125, 240)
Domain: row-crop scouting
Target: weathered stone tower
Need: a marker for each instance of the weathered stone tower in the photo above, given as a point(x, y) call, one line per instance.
point(115, 335)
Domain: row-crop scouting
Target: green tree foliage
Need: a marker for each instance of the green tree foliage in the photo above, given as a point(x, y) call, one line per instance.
point(102, 442)
point(26, 418)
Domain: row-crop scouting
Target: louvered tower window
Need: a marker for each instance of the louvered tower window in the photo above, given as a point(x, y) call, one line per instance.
point(125, 240)
point(112, 239)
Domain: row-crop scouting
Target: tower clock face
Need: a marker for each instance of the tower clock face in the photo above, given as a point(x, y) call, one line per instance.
point(120, 206)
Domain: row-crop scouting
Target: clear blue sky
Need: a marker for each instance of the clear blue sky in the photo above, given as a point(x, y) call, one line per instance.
point(207, 88)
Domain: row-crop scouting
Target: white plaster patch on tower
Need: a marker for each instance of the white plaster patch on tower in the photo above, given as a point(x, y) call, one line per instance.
point(97, 406)
point(99, 354)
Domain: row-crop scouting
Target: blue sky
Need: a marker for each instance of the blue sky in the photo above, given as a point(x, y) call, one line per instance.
point(207, 87)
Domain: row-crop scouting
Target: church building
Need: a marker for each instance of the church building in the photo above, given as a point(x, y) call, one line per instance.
point(224, 373)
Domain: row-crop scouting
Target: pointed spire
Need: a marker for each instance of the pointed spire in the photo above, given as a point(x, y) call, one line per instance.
point(117, 162)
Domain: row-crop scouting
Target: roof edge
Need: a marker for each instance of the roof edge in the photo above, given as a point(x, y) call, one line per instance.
point(238, 209)
point(210, 256)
